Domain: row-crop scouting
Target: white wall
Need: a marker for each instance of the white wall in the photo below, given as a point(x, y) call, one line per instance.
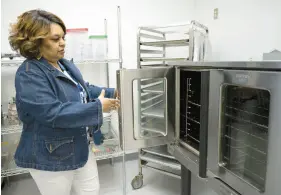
point(244, 30)
point(91, 14)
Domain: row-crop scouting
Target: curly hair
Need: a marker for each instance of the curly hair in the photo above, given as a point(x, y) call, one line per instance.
point(30, 29)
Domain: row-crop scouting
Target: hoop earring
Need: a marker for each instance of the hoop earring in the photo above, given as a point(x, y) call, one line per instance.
point(39, 56)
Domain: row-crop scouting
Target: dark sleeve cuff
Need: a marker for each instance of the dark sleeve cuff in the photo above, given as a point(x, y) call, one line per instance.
point(109, 92)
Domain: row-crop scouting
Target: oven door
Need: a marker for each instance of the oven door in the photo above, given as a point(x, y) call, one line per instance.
point(147, 113)
point(192, 112)
point(243, 127)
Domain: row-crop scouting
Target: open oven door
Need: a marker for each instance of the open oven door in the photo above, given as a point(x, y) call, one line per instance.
point(147, 112)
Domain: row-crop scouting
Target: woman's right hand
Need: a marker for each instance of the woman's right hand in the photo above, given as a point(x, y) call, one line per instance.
point(107, 103)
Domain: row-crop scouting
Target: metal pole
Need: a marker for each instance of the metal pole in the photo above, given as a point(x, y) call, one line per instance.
point(119, 37)
point(120, 67)
point(106, 53)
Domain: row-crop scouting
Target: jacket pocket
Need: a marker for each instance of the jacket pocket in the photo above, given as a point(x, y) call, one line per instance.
point(60, 148)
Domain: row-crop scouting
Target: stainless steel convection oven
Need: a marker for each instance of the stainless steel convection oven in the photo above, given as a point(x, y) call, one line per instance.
point(221, 120)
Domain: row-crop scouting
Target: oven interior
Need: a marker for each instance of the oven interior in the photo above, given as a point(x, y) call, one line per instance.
point(190, 97)
point(245, 119)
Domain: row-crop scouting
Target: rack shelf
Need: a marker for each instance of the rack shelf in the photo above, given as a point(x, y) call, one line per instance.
point(9, 167)
point(110, 147)
point(110, 152)
point(161, 161)
point(159, 151)
point(159, 88)
point(167, 43)
point(7, 63)
point(9, 129)
point(150, 59)
point(13, 172)
point(155, 111)
point(155, 125)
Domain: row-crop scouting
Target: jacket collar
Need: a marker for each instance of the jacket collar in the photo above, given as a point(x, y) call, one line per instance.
point(69, 66)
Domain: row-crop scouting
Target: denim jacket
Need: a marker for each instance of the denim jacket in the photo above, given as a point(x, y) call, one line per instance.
point(54, 136)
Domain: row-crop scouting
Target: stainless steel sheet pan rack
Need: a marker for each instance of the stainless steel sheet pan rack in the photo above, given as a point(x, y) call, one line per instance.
point(157, 46)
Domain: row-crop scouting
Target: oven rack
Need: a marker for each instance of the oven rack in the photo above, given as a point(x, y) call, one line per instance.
point(240, 160)
point(192, 103)
point(264, 108)
point(157, 159)
point(154, 125)
point(243, 145)
point(188, 116)
point(247, 133)
point(160, 160)
point(10, 129)
point(12, 170)
point(154, 88)
point(156, 111)
point(245, 121)
point(190, 119)
point(166, 43)
point(193, 138)
point(247, 112)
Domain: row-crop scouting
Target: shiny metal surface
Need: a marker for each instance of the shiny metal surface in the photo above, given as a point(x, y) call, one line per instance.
point(269, 80)
point(127, 114)
point(264, 75)
point(266, 65)
point(220, 188)
point(151, 59)
point(172, 43)
point(186, 158)
point(160, 169)
point(174, 27)
point(119, 38)
point(177, 105)
point(163, 161)
point(159, 151)
point(198, 41)
point(154, 40)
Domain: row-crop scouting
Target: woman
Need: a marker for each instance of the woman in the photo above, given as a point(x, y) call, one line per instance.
point(57, 108)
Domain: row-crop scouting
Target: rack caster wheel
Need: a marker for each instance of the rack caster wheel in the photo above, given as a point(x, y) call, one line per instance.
point(137, 182)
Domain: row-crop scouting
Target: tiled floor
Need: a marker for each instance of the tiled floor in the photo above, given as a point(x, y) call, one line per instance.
point(111, 182)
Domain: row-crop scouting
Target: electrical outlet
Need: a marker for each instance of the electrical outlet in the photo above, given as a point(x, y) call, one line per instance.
point(216, 13)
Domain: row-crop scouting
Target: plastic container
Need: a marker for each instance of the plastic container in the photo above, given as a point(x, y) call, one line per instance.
point(105, 128)
point(12, 113)
point(77, 44)
point(99, 45)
